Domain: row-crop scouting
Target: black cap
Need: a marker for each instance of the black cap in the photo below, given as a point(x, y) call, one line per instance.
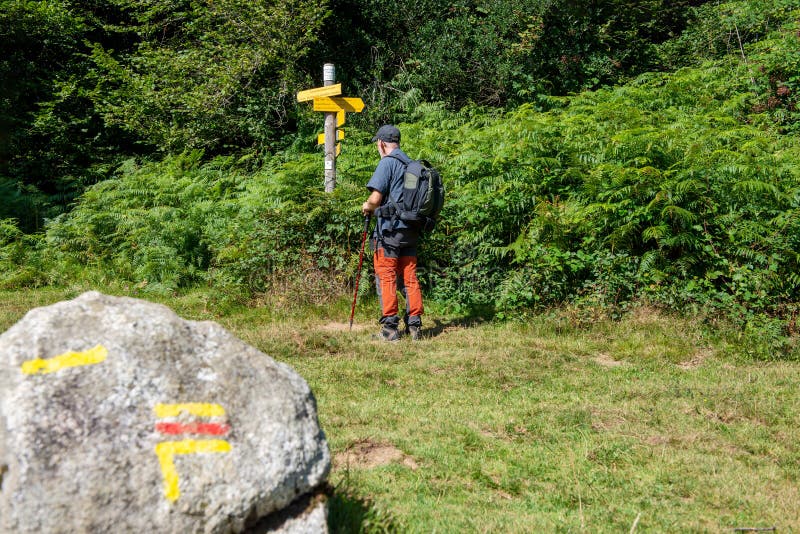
point(387, 133)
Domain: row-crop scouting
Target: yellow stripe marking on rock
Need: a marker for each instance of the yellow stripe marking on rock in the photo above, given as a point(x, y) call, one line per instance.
point(200, 409)
point(62, 361)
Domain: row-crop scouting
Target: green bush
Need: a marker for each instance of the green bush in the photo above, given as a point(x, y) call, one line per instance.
point(151, 223)
point(23, 263)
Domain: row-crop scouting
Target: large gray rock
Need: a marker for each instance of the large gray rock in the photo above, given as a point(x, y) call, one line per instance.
point(116, 415)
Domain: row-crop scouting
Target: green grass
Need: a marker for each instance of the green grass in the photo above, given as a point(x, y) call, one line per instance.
point(650, 422)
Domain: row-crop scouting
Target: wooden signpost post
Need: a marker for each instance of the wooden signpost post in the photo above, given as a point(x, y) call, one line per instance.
point(328, 100)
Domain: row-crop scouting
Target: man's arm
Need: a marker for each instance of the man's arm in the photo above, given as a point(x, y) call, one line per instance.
point(372, 203)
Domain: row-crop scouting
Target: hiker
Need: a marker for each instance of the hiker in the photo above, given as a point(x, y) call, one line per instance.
point(393, 242)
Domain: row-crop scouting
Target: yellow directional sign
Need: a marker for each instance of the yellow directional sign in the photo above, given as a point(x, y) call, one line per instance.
point(338, 103)
point(321, 137)
point(327, 99)
point(338, 147)
point(317, 92)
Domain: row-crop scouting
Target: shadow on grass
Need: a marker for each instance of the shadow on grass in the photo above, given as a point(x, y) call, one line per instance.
point(349, 513)
point(439, 327)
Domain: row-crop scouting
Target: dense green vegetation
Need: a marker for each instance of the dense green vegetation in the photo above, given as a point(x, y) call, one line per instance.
point(674, 180)
point(86, 85)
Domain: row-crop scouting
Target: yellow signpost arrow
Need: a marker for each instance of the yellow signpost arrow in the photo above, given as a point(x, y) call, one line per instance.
point(317, 92)
point(339, 136)
point(338, 103)
point(321, 137)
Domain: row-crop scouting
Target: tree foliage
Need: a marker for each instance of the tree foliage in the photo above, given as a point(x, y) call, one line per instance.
point(495, 52)
point(212, 75)
point(38, 44)
point(87, 85)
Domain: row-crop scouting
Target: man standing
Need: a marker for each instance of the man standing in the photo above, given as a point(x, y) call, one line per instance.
point(394, 242)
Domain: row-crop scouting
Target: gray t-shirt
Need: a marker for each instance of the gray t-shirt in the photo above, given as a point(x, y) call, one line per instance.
point(388, 181)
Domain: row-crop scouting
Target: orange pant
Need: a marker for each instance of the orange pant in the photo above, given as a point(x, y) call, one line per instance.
point(387, 271)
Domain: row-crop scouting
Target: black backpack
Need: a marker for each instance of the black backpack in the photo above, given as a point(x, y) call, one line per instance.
point(423, 195)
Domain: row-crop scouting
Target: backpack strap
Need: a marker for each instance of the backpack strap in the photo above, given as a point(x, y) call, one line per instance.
point(404, 160)
point(393, 209)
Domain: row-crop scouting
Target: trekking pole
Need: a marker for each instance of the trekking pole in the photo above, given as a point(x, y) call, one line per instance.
point(358, 274)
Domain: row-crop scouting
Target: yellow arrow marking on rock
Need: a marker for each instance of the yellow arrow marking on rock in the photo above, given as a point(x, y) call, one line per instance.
point(62, 361)
point(166, 452)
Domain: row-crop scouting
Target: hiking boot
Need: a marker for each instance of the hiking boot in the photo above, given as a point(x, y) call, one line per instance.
point(388, 333)
point(415, 332)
